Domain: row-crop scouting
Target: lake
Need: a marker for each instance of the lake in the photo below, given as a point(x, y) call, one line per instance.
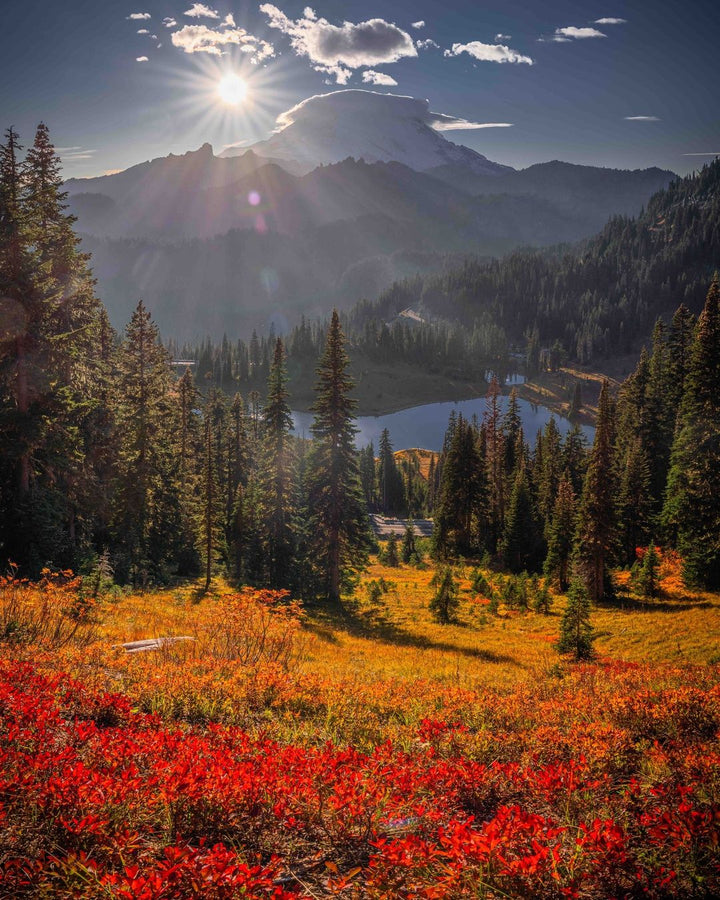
point(425, 426)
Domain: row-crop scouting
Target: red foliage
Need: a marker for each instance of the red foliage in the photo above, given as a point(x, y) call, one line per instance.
point(99, 800)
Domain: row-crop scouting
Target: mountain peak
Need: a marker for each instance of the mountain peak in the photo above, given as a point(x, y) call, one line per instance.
point(328, 128)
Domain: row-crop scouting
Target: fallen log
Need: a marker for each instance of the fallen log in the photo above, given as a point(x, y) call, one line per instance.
point(153, 643)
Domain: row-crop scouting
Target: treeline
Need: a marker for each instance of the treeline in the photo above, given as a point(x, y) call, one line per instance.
point(441, 348)
point(652, 475)
point(599, 300)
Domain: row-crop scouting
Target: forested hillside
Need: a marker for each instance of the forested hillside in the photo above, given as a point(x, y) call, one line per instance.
point(600, 299)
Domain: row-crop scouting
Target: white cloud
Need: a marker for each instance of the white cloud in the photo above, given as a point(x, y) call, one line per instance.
point(373, 77)
point(141, 59)
point(426, 44)
point(502, 37)
point(309, 13)
point(337, 49)
point(463, 125)
point(420, 24)
point(68, 154)
point(139, 16)
point(200, 11)
point(579, 33)
point(341, 74)
point(641, 119)
point(404, 108)
point(169, 22)
point(498, 53)
point(143, 31)
point(229, 20)
point(610, 21)
point(201, 39)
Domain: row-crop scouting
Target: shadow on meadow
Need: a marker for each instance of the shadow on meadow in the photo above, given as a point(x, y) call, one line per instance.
point(374, 625)
point(629, 603)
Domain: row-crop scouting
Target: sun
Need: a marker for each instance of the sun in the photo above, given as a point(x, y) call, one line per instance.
point(232, 89)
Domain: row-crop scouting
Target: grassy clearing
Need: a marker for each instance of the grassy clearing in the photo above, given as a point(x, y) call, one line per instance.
point(396, 638)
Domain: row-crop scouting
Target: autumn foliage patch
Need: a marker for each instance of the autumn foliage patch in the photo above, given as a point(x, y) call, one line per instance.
point(100, 800)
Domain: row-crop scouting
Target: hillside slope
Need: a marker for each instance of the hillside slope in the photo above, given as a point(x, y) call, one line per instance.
point(599, 299)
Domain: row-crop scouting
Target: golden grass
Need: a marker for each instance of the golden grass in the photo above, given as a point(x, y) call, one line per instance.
point(396, 638)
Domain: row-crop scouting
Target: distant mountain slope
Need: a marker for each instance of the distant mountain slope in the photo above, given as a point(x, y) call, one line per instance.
point(590, 193)
point(189, 199)
point(600, 299)
point(367, 125)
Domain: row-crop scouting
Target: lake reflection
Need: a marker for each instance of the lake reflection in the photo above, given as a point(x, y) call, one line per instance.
point(425, 426)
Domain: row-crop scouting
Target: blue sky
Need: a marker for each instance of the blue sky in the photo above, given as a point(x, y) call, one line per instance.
point(623, 84)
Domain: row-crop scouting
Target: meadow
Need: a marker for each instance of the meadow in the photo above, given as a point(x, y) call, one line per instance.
point(361, 752)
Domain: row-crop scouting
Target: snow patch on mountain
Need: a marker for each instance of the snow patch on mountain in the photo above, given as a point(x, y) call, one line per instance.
point(329, 128)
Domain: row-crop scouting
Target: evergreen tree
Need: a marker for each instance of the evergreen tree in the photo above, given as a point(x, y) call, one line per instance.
point(658, 422)
point(390, 483)
point(574, 457)
point(277, 475)
point(368, 475)
point(408, 550)
point(190, 452)
point(596, 531)
point(341, 536)
point(512, 430)
point(576, 404)
point(521, 546)
point(634, 503)
point(692, 511)
point(548, 470)
point(461, 509)
point(444, 603)
point(494, 440)
point(391, 552)
point(147, 485)
point(647, 580)
point(576, 634)
point(50, 364)
point(679, 348)
point(211, 496)
point(561, 535)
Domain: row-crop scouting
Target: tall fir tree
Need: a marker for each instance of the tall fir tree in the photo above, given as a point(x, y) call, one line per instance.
point(521, 547)
point(596, 530)
point(692, 513)
point(561, 534)
point(635, 508)
point(576, 634)
point(341, 536)
point(461, 511)
point(50, 361)
point(389, 479)
point(679, 348)
point(147, 490)
point(277, 474)
point(494, 439)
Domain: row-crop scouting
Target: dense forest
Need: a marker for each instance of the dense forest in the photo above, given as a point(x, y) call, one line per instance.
point(111, 463)
point(598, 300)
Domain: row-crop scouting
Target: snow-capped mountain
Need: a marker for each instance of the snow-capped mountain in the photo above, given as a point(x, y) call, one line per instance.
point(329, 128)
